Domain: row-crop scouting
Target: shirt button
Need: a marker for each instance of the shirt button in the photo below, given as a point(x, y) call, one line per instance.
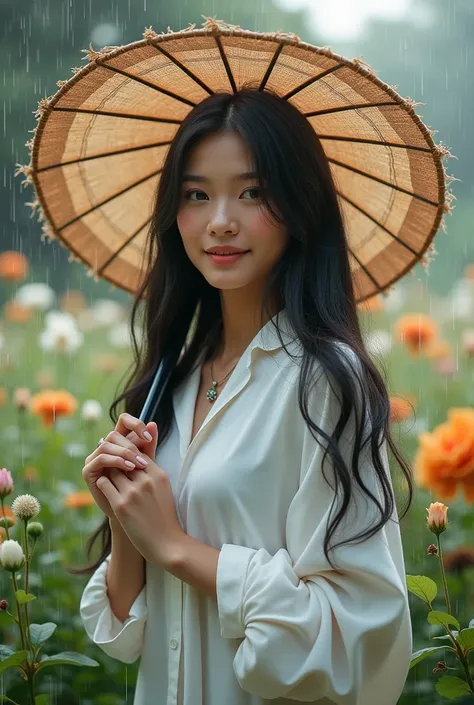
point(173, 643)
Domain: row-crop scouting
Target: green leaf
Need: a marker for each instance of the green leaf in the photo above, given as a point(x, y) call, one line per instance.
point(5, 619)
point(423, 587)
point(15, 659)
point(70, 658)
point(23, 598)
point(466, 638)
point(423, 653)
point(442, 618)
point(42, 699)
point(446, 636)
point(451, 687)
point(40, 633)
point(5, 651)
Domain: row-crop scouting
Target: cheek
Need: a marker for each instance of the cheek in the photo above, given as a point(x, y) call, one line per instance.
point(267, 230)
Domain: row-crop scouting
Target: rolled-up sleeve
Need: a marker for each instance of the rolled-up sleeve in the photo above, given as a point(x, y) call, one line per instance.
point(120, 640)
point(308, 632)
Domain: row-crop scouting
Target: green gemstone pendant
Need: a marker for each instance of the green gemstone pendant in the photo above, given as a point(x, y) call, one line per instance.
point(211, 393)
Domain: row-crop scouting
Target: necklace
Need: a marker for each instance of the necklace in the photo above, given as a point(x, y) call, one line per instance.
point(212, 391)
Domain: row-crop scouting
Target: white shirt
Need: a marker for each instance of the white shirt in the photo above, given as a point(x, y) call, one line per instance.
point(285, 626)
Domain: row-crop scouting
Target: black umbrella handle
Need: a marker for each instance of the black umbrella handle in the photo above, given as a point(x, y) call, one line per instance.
point(165, 368)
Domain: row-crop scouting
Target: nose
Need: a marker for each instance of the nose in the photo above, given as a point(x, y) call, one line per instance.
point(222, 221)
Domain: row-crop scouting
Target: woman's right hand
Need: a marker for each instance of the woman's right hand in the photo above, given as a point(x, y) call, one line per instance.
point(112, 454)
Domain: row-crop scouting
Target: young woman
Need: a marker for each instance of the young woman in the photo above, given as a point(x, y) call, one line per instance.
point(257, 556)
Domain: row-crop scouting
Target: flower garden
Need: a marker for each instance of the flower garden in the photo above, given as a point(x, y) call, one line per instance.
point(62, 359)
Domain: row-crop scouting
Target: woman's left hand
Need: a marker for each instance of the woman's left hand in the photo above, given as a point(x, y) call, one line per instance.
point(144, 505)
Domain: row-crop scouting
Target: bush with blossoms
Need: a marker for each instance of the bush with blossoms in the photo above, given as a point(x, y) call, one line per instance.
point(16, 556)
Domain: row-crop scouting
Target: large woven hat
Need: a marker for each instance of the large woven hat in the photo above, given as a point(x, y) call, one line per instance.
point(100, 142)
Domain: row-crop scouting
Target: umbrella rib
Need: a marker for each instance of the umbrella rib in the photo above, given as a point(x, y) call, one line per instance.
point(369, 274)
point(127, 242)
point(149, 84)
point(103, 155)
point(382, 227)
point(383, 181)
point(110, 198)
point(362, 140)
point(358, 106)
point(225, 61)
point(109, 113)
point(271, 66)
point(183, 68)
point(311, 80)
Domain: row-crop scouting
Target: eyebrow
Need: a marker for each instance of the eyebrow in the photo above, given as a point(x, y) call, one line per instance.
point(247, 175)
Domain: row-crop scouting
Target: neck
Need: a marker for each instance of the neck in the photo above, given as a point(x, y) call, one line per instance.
point(241, 321)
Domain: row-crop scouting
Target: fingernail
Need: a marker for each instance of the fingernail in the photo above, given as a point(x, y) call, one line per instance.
point(141, 461)
point(129, 464)
point(147, 435)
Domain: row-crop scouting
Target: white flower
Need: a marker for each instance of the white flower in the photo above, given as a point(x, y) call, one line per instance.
point(378, 342)
point(119, 335)
point(25, 506)
point(91, 410)
point(106, 312)
point(61, 333)
point(36, 296)
point(11, 555)
point(394, 301)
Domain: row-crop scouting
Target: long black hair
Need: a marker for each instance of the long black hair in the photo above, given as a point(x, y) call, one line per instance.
point(312, 281)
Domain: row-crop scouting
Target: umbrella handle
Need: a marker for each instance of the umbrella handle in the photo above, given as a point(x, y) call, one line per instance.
point(164, 371)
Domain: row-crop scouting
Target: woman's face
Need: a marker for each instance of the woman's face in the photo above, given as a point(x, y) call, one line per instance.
point(221, 205)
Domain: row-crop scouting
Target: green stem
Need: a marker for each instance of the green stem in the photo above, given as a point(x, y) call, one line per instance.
point(18, 611)
point(27, 575)
point(443, 575)
point(461, 656)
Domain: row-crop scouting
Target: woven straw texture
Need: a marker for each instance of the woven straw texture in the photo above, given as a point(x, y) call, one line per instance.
point(100, 142)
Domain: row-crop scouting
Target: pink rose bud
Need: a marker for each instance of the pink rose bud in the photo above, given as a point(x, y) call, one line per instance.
point(6, 482)
point(440, 666)
point(437, 518)
point(432, 550)
point(3, 605)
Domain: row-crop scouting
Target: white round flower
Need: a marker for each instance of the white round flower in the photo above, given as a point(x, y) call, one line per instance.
point(378, 342)
point(25, 506)
point(11, 555)
point(36, 296)
point(91, 410)
point(119, 335)
point(106, 312)
point(60, 320)
point(61, 333)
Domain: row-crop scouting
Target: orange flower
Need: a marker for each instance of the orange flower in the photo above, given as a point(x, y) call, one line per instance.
point(13, 265)
point(3, 396)
point(15, 313)
point(437, 517)
point(372, 305)
point(444, 461)
point(76, 500)
point(8, 513)
point(73, 302)
point(30, 473)
point(438, 349)
point(401, 407)
point(416, 330)
point(52, 403)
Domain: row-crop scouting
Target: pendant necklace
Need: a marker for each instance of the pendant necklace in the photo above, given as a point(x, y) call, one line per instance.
point(212, 391)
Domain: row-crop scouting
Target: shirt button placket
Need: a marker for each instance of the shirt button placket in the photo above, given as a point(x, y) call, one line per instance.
point(175, 640)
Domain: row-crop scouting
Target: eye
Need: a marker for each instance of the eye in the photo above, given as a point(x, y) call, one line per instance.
point(254, 191)
point(195, 192)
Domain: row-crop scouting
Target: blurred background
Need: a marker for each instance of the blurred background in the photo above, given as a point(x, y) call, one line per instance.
point(69, 333)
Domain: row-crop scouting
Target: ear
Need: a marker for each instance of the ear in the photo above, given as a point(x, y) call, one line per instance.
point(150, 447)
